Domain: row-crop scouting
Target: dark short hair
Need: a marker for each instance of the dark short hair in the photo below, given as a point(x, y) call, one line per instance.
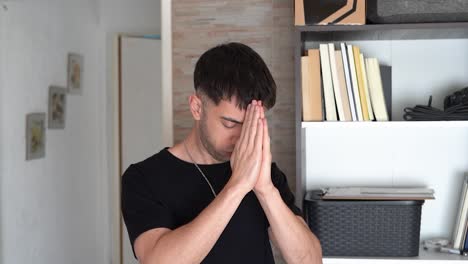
point(234, 69)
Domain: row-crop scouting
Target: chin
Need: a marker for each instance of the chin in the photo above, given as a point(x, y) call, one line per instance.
point(222, 156)
point(227, 156)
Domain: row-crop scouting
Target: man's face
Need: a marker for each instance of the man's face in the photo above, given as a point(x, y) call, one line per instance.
point(220, 128)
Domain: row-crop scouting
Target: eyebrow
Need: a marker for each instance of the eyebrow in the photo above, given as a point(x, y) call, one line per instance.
point(232, 120)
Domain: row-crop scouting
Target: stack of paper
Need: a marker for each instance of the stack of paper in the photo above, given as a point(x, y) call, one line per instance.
point(377, 193)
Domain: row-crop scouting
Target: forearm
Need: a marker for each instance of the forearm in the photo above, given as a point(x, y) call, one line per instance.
point(192, 242)
point(293, 237)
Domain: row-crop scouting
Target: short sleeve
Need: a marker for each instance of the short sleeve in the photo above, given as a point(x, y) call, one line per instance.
point(141, 209)
point(281, 183)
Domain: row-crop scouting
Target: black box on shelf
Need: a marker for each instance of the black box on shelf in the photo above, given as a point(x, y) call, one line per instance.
point(416, 11)
point(364, 228)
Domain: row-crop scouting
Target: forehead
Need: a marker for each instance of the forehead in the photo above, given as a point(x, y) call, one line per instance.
point(227, 108)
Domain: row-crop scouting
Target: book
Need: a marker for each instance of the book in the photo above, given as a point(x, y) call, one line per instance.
point(362, 93)
point(311, 86)
point(349, 88)
point(461, 220)
point(354, 81)
point(376, 89)
point(336, 83)
point(342, 86)
point(377, 193)
point(328, 94)
point(386, 75)
point(366, 87)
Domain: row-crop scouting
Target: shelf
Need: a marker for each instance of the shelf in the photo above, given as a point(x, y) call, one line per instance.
point(424, 257)
point(374, 27)
point(326, 33)
point(390, 124)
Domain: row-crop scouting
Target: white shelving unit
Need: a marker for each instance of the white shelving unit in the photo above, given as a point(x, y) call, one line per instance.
point(426, 59)
point(429, 257)
point(390, 124)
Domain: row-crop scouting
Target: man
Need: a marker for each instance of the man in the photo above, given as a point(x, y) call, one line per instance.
point(216, 197)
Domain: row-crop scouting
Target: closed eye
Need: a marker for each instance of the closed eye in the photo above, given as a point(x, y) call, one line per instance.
point(228, 124)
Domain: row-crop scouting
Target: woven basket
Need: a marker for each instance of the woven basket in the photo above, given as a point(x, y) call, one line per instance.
point(364, 228)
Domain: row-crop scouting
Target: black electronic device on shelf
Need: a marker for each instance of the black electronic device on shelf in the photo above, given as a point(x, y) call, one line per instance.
point(455, 108)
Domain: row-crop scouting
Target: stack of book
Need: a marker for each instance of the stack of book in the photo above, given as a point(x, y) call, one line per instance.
point(460, 241)
point(343, 85)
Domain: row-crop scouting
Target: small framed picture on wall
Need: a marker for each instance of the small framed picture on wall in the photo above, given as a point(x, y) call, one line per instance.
point(35, 135)
point(57, 107)
point(75, 73)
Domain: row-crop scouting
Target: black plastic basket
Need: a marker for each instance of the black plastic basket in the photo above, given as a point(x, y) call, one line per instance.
point(364, 228)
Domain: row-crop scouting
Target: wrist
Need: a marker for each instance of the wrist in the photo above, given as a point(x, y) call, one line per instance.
point(237, 187)
point(266, 191)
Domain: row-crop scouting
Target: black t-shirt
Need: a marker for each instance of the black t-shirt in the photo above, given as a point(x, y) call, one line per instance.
point(165, 191)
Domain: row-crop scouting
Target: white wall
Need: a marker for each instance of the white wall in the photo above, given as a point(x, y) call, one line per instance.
point(136, 16)
point(59, 209)
point(49, 206)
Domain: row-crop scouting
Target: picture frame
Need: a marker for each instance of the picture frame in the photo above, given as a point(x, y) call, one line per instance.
point(75, 73)
point(57, 107)
point(35, 136)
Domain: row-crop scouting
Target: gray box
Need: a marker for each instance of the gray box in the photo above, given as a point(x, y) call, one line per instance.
point(416, 11)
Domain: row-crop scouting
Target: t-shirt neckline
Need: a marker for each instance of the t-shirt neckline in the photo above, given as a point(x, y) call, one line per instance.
point(173, 157)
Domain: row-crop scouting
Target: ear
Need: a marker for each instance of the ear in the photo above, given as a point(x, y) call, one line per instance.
point(195, 104)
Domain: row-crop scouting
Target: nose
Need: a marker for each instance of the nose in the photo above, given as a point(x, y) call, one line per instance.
point(236, 135)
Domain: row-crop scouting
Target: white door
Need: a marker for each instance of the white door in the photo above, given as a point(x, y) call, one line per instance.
point(141, 108)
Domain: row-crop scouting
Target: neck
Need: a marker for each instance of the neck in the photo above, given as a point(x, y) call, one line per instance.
point(196, 149)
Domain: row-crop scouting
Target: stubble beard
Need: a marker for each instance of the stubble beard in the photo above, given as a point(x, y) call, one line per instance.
point(206, 142)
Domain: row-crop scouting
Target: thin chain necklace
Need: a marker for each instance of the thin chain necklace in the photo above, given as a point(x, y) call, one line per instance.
point(203, 174)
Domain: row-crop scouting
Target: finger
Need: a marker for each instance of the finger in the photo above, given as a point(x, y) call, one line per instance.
point(248, 113)
point(259, 136)
point(266, 137)
point(248, 117)
point(246, 124)
point(262, 113)
point(253, 127)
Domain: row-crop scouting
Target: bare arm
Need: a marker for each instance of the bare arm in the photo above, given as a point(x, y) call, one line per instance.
point(192, 242)
point(289, 232)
